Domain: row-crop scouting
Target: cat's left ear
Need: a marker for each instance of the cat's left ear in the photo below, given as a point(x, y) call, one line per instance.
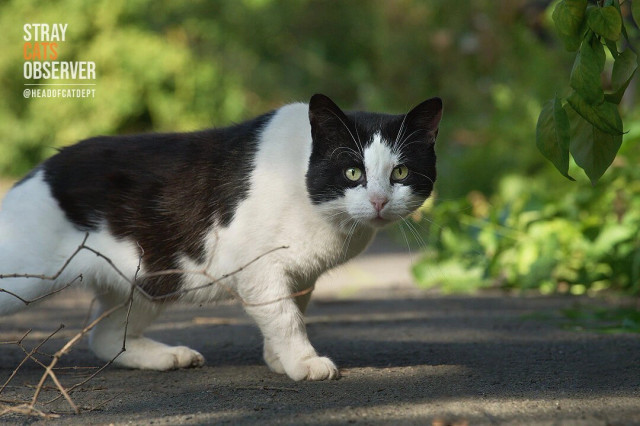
point(326, 118)
point(426, 116)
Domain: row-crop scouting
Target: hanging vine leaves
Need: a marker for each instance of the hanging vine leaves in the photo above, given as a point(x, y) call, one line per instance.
point(552, 134)
point(605, 21)
point(603, 116)
point(568, 17)
point(592, 149)
point(635, 11)
point(624, 68)
point(585, 75)
point(592, 115)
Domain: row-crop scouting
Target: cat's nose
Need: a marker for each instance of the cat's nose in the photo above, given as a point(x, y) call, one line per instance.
point(378, 202)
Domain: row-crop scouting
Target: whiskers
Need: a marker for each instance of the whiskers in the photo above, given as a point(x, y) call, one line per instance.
point(347, 150)
point(416, 233)
point(402, 141)
point(347, 241)
point(424, 176)
point(356, 141)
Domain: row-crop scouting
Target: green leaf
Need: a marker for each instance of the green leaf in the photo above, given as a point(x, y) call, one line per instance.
point(616, 4)
point(605, 21)
point(613, 48)
point(624, 68)
point(585, 75)
point(593, 150)
point(604, 116)
point(552, 135)
point(568, 17)
point(635, 11)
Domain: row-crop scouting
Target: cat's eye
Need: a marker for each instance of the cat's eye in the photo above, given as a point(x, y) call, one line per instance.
point(400, 173)
point(353, 174)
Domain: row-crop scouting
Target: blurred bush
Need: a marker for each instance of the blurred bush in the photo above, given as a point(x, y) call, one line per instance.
point(531, 234)
point(504, 217)
point(535, 231)
point(174, 66)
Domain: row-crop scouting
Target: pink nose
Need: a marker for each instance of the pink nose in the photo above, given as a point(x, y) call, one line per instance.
point(378, 203)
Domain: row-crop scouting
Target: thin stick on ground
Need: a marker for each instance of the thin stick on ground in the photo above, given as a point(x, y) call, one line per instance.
point(29, 354)
point(66, 348)
point(29, 408)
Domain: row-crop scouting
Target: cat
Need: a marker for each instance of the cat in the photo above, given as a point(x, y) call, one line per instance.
point(308, 178)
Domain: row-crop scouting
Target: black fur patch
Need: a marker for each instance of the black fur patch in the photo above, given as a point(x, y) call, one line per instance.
point(163, 191)
point(339, 140)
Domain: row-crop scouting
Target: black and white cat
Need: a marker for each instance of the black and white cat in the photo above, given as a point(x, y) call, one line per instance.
point(310, 177)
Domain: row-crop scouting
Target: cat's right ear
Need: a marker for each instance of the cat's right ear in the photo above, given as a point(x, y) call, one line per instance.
point(326, 117)
point(426, 117)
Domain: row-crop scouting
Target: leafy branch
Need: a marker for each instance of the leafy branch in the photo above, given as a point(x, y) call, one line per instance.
point(587, 124)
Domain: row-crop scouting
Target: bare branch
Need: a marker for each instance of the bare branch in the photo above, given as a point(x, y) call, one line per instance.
point(27, 410)
point(47, 277)
point(57, 274)
point(29, 354)
point(28, 302)
point(206, 274)
point(29, 407)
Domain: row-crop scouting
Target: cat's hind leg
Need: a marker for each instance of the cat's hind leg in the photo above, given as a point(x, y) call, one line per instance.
point(35, 240)
point(107, 338)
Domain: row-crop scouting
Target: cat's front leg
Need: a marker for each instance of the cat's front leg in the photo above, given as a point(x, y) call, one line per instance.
point(287, 347)
point(269, 353)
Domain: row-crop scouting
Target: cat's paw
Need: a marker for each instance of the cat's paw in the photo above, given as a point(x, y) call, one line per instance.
point(159, 357)
point(272, 360)
point(315, 368)
point(184, 357)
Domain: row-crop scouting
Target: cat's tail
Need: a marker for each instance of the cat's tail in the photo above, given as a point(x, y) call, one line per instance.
point(31, 231)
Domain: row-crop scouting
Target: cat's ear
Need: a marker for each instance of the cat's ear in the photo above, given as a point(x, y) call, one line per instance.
point(426, 116)
point(325, 116)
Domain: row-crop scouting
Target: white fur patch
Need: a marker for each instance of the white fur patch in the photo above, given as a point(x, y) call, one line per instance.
point(36, 238)
point(379, 161)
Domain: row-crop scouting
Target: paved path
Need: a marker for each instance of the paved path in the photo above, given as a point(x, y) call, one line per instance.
point(406, 357)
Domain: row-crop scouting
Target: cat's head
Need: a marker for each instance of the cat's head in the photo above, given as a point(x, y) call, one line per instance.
point(368, 168)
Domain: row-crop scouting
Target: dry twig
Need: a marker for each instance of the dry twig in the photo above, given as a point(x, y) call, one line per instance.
point(29, 408)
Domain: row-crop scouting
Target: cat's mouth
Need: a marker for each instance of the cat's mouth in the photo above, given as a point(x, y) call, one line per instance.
point(379, 221)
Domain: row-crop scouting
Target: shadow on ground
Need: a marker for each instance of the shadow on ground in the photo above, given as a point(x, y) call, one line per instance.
point(455, 359)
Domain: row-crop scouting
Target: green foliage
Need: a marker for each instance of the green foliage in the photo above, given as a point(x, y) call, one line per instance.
point(531, 236)
point(568, 17)
point(597, 127)
point(593, 149)
point(553, 131)
point(178, 66)
point(605, 21)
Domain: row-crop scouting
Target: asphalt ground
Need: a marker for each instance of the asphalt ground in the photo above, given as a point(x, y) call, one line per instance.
point(406, 357)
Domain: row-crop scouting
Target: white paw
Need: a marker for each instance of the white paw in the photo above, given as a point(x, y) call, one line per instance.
point(146, 354)
point(272, 360)
point(184, 357)
point(315, 368)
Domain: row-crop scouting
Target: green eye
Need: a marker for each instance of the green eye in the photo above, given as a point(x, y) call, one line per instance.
point(400, 173)
point(353, 174)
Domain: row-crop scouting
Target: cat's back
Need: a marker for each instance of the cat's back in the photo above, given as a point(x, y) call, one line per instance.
point(115, 177)
point(162, 192)
point(155, 155)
